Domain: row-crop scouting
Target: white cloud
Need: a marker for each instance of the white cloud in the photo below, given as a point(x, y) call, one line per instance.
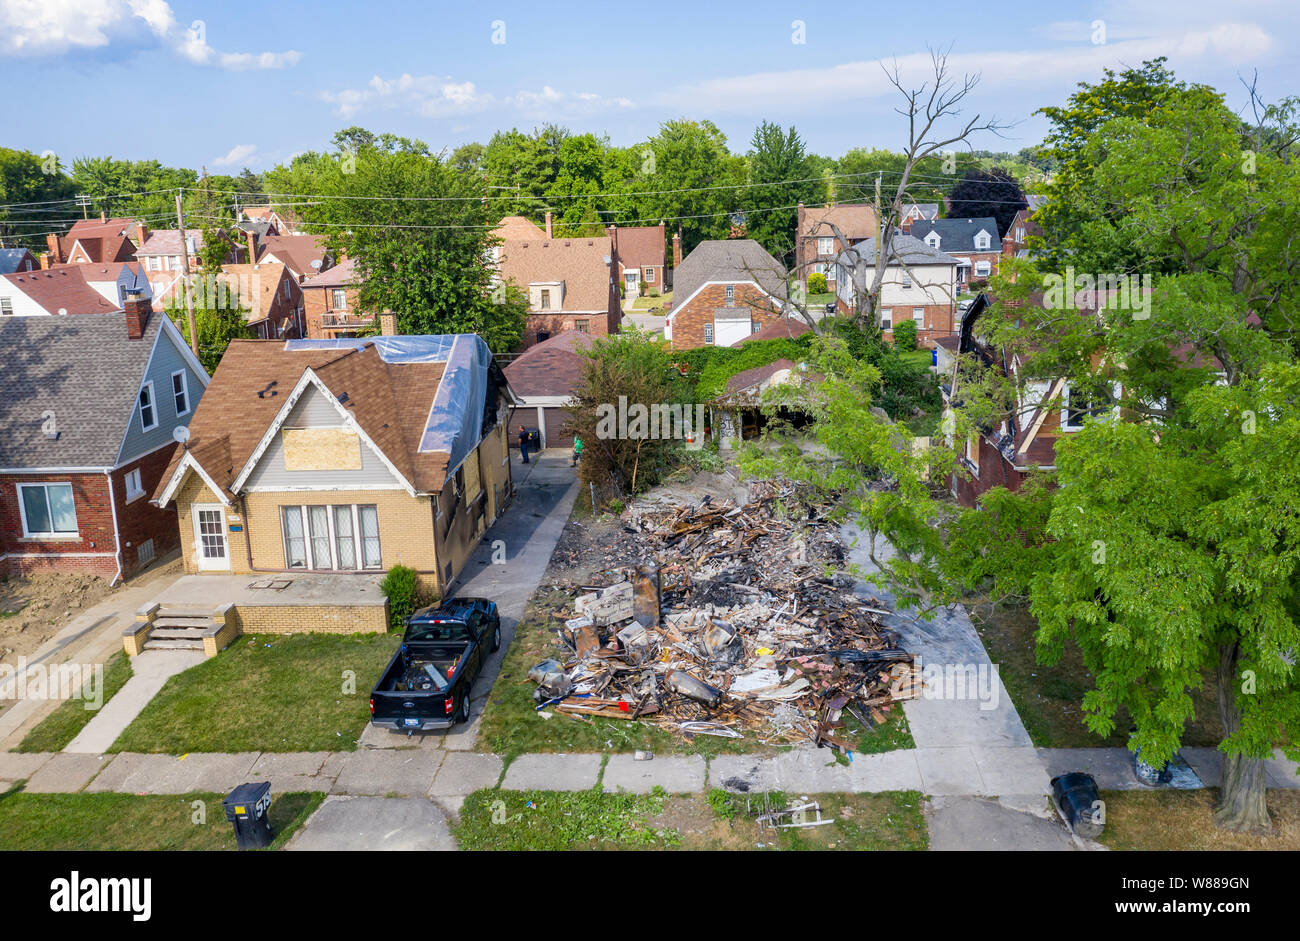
point(1224, 43)
point(437, 96)
point(38, 28)
point(238, 155)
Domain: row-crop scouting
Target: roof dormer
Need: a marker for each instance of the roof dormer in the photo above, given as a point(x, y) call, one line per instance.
point(933, 240)
point(983, 240)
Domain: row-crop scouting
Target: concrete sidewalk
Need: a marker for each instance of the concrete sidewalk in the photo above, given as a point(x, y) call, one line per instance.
point(150, 670)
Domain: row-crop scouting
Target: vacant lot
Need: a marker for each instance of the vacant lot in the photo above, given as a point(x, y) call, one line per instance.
point(1183, 820)
point(89, 822)
point(551, 820)
point(1049, 699)
point(299, 692)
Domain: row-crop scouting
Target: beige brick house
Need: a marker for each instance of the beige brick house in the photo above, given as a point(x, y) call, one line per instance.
point(321, 456)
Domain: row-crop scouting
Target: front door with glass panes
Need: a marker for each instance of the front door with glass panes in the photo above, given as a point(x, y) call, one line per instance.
point(211, 551)
point(342, 538)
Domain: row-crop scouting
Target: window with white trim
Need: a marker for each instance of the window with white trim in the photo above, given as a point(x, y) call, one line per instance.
point(708, 333)
point(327, 537)
point(339, 299)
point(1075, 409)
point(134, 486)
point(982, 269)
point(47, 509)
point(148, 411)
point(6, 306)
point(982, 241)
point(648, 274)
point(731, 294)
point(180, 393)
point(906, 279)
point(887, 318)
point(825, 246)
point(932, 240)
point(918, 314)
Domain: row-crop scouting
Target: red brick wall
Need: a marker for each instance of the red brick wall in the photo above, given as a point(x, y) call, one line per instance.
point(559, 322)
point(940, 317)
point(317, 302)
point(689, 321)
point(94, 528)
point(140, 520)
point(995, 471)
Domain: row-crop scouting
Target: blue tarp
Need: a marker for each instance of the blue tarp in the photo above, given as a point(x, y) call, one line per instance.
point(455, 422)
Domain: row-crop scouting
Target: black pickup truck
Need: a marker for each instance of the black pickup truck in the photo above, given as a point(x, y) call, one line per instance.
point(427, 683)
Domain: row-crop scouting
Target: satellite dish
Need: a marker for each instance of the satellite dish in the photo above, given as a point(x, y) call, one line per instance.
point(63, 311)
point(316, 263)
point(181, 434)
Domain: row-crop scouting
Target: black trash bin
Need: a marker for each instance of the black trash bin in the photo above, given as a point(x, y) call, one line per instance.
point(1076, 795)
point(247, 808)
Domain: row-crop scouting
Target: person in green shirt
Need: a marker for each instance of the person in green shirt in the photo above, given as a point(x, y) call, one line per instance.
point(577, 450)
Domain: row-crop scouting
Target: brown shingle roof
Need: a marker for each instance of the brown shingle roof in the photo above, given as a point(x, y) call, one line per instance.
point(514, 228)
point(552, 367)
point(781, 328)
point(297, 252)
point(640, 246)
point(62, 288)
point(342, 275)
point(854, 220)
point(582, 264)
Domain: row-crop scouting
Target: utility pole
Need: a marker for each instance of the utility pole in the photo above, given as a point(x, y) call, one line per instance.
point(84, 202)
point(188, 287)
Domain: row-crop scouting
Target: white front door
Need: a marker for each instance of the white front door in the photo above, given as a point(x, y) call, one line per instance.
point(633, 283)
point(211, 551)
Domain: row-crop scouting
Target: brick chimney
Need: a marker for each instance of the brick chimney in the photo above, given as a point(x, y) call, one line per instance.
point(103, 216)
point(56, 249)
point(138, 311)
point(252, 246)
point(388, 324)
point(677, 248)
point(548, 224)
point(141, 234)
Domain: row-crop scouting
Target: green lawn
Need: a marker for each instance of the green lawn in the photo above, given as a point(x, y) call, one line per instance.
point(651, 303)
point(814, 301)
point(558, 820)
point(62, 725)
point(90, 822)
point(266, 693)
point(917, 357)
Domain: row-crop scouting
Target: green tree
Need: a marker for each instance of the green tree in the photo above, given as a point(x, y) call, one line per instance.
point(35, 184)
point(686, 170)
point(780, 175)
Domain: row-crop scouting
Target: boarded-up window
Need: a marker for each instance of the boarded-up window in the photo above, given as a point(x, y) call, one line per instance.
point(320, 449)
point(472, 484)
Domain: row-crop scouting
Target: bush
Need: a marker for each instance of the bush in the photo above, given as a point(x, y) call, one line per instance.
point(641, 288)
point(402, 586)
point(905, 336)
point(816, 283)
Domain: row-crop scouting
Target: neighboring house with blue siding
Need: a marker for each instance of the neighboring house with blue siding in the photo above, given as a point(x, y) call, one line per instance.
point(344, 456)
point(87, 420)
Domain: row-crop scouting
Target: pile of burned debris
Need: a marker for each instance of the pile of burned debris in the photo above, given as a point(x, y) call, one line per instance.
point(736, 625)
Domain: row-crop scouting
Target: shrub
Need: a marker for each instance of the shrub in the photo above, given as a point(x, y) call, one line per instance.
point(905, 336)
point(641, 288)
point(402, 586)
point(816, 283)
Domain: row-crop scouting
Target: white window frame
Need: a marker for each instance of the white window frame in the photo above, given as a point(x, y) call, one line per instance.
point(648, 274)
point(6, 306)
point(983, 269)
point(918, 317)
point(134, 485)
point(54, 533)
point(730, 295)
point(982, 241)
point(825, 245)
point(153, 406)
point(338, 299)
point(905, 280)
point(933, 240)
point(1065, 410)
point(708, 333)
point(358, 539)
point(185, 391)
point(886, 318)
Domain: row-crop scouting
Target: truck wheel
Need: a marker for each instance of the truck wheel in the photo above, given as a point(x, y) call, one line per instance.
point(462, 714)
point(496, 637)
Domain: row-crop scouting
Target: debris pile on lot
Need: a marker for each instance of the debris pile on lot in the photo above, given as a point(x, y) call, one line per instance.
point(733, 626)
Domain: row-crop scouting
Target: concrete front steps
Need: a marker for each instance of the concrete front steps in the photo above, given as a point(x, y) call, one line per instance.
point(161, 626)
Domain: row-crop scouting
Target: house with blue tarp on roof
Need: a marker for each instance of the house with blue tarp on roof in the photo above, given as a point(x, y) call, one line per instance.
point(344, 456)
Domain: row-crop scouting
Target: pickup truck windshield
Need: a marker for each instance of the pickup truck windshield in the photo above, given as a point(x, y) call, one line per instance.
point(440, 631)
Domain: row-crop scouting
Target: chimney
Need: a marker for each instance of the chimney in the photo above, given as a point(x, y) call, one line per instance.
point(677, 248)
point(103, 216)
point(138, 310)
point(252, 247)
point(548, 224)
point(56, 249)
point(388, 323)
point(141, 233)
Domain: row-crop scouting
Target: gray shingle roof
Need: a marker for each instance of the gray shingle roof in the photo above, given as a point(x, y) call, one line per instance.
point(906, 248)
point(85, 371)
point(728, 260)
point(958, 235)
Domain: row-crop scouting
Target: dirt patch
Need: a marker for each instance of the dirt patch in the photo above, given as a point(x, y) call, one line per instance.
point(35, 608)
point(1184, 820)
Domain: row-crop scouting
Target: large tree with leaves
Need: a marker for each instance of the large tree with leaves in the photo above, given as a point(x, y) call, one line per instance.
point(781, 176)
point(1164, 552)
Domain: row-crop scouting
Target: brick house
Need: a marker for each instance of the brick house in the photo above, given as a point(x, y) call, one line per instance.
point(316, 456)
point(304, 255)
point(95, 241)
point(272, 296)
point(723, 292)
point(278, 221)
point(17, 259)
point(89, 410)
point(913, 213)
point(330, 303)
point(920, 283)
point(163, 250)
point(817, 245)
point(544, 378)
point(569, 282)
point(1015, 244)
point(641, 253)
point(973, 242)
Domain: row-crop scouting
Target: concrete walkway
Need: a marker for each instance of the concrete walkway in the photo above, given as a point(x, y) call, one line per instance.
point(92, 636)
point(150, 670)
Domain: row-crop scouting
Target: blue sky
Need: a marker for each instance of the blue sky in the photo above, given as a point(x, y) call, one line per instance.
point(249, 84)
